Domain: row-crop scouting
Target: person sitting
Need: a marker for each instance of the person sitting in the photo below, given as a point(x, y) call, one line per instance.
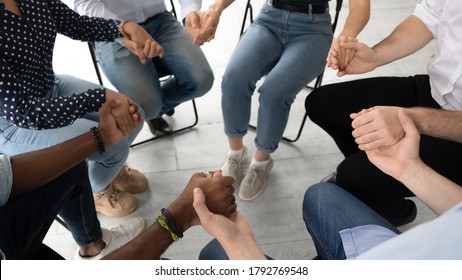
point(352, 229)
point(425, 97)
point(40, 109)
point(57, 183)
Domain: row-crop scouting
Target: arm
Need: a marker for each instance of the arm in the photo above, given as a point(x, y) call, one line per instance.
point(408, 37)
point(153, 241)
point(233, 233)
point(380, 126)
point(203, 25)
point(402, 162)
point(358, 16)
point(45, 165)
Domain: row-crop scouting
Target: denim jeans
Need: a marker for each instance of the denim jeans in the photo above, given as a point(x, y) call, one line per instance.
point(26, 218)
point(102, 168)
point(290, 49)
point(214, 251)
point(193, 76)
point(328, 209)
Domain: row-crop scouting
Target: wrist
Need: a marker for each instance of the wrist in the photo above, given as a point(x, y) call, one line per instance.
point(121, 28)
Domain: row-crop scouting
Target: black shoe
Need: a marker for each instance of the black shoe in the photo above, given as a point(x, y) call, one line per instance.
point(159, 127)
point(170, 113)
point(406, 215)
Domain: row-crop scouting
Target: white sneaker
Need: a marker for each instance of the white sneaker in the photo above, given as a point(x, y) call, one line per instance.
point(232, 166)
point(254, 182)
point(117, 236)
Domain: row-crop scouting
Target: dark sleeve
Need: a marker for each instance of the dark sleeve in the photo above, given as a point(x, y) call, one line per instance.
point(19, 107)
point(83, 28)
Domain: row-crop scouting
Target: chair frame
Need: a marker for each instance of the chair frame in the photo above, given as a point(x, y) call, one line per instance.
point(318, 82)
point(163, 78)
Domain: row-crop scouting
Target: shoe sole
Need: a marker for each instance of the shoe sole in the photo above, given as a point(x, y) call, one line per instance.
point(264, 185)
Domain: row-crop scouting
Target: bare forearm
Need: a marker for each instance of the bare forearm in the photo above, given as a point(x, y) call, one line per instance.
point(437, 122)
point(358, 16)
point(436, 191)
point(408, 37)
point(220, 5)
point(34, 169)
point(245, 249)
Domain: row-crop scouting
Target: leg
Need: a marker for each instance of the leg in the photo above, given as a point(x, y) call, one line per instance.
point(330, 106)
point(328, 209)
point(26, 218)
point(387, 197)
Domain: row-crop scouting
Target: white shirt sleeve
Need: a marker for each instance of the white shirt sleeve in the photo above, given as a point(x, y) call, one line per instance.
point(188, 6)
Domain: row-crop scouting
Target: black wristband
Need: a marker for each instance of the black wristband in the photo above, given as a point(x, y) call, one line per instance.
point(98, 140)
point(175, 228)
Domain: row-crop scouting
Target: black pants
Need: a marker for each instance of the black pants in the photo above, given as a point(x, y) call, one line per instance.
point(330, 107)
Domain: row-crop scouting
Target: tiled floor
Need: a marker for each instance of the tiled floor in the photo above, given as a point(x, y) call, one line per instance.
point(169, 162)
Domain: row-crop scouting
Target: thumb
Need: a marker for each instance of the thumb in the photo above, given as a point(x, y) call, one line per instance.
point(199, 204)
point(350, 45)
point(194, 20)
point(407, 124)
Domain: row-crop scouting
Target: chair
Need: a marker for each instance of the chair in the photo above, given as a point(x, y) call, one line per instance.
point(164, 74)
point(318, 81)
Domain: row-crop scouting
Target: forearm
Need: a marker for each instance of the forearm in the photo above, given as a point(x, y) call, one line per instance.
point(408, 37)
point(148, 245)
point(358, 16)
point(437, 123)
point(219, 5)
point(34, 169)
point(243, 249)
point(436, 191)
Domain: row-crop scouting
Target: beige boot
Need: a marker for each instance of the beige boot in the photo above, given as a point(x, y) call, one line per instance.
point(130, 180)
point(114, 203)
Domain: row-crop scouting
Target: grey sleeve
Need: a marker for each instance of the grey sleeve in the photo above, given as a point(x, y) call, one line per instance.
point(6, 179)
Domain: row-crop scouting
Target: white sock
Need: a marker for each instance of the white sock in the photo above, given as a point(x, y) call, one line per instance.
point(259, 165)
point(236, 154)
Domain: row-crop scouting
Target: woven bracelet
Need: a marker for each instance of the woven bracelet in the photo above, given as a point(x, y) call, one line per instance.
point(164, 225)
point(172, 222)
point(98, 140)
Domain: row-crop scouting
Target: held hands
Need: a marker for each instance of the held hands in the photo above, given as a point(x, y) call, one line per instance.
point(124, 112)
point(219, 195)
point(348, 56)
point(377, 127)
point(395, 159)
point(202, 25)
point(140, 43)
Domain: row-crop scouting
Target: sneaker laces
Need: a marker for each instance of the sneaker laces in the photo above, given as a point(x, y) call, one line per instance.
point(252, 177)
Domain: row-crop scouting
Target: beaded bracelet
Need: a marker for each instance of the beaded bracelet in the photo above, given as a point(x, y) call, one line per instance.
point(164, 225)
point(99, 140)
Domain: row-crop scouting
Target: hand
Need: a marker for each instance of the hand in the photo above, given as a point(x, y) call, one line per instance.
point(124, 112)
point(394, 159)
point(140, 43)
point(202, 26)
point(222, 228)
point(219, 194)
point(377, 127)
point(338, 57)
point(364, 59)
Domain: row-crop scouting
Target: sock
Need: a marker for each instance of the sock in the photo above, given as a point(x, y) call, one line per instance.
point(259, 165)
point(236, 154)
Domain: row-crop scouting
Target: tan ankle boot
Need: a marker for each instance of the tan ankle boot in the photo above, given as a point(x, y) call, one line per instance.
point(130, 180)
point(114, 203)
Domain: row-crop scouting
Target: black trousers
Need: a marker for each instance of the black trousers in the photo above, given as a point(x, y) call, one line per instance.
point(330, 107)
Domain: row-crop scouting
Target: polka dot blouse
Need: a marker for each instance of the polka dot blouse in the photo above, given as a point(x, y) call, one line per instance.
point(26, 53)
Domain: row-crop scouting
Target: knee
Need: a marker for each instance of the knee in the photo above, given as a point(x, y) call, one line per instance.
point(316, 102)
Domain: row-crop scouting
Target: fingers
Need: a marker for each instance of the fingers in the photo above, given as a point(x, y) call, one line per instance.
point(199, 205)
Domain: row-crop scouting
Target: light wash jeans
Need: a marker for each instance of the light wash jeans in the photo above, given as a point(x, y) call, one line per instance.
point(328, 209)
point(290, 49)
point(102, 168)
point(193, 76)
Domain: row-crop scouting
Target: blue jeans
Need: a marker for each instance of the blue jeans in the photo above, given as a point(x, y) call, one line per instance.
point(193, 76)
point(328, 209)
point(26, 218)
point(102, 168)
point(290, 49)
point(214, 251)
